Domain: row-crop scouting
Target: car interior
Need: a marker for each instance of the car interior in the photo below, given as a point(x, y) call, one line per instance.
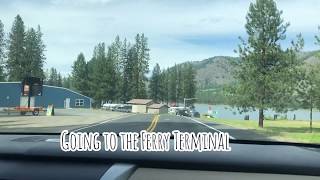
point(40, 157)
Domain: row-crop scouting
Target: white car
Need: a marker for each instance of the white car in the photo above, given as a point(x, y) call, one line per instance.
point(109, 106)
point(174, 110)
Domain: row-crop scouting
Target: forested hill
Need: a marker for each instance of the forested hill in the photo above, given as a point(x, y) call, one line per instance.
point(217, 71)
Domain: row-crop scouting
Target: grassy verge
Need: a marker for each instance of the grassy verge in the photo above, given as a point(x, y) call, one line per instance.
point(281, 130)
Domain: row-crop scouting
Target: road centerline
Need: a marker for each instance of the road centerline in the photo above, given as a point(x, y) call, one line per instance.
point(152, 123)
point(155, 124)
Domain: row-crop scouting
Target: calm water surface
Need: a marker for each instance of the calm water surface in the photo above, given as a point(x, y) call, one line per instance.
point(227, 112)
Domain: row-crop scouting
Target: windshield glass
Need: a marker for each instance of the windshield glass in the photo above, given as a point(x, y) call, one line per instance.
point(249, 68)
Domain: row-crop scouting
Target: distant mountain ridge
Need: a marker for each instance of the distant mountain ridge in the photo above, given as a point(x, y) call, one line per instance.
point(217, 71)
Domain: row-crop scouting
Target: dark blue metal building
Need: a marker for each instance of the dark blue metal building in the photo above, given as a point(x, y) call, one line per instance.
point(10, 96)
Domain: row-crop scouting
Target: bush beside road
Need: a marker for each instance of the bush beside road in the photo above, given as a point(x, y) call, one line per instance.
point(279, 130)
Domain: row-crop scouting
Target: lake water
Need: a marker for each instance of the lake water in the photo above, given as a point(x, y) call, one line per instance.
point(227, 112)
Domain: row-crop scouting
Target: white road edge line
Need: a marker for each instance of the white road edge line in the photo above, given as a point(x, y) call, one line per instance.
point(231, 137)
point(92, 125)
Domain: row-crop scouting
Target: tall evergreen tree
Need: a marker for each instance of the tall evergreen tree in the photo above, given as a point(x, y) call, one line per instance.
point(308, 91)
point(172, 73)
point(164, 86)
point(16, 62)
point(140, 56)
point(40, 57)
point(33, 56)
point(80, 75)
point(179, 86)
point(2, 46)
point(100, 79)
point(189, 83)
point(115, 60)
point(54, 78)
point(111, 76)
point(96, 80)
point(59, 80)
point(262, 70)
point(127, 71)
point(155, 86)
point(67, 82)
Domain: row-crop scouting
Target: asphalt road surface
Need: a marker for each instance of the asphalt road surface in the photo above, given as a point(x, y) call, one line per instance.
point(166, 123)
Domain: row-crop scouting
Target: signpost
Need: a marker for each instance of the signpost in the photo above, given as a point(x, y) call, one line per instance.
point(31, 86)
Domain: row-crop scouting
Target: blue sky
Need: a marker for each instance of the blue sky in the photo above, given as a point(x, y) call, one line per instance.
point(178, 30)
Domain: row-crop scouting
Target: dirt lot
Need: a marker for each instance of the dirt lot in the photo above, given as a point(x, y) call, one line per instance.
point(63, 119)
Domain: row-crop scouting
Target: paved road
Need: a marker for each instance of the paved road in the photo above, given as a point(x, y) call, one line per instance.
point(166, 123)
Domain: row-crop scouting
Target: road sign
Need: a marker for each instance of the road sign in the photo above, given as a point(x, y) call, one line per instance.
point(32, 86)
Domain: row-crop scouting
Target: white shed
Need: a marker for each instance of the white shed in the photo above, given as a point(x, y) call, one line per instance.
point(158, 109)
point(140, 105)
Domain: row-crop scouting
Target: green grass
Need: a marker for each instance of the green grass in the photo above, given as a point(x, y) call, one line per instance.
point(280, 130)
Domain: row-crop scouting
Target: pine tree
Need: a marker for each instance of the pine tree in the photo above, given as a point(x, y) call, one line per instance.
point(40, 57)
point(97, 73)
point(111, 75)
point(67, 82)
point(127, 71)
point(164, 86)
point(16, 62)
point(180, 90)
point(155, 86)
point(115, 60)
point(59, 80)
point(308, 89)
point(140, 57)
point(102, 75)
point(264, 70)
point(53, 78)
point(33, 58)
point(173, 84)
point(2, 46)
point(189, 83)
point(80, 75)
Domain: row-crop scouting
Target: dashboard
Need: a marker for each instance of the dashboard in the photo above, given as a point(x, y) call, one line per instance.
point(40, 157)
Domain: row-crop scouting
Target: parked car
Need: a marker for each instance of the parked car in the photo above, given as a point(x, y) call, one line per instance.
point(196, 114)
point(108, 106)
point(123, 108)
point(184, 112)
point(174, 110)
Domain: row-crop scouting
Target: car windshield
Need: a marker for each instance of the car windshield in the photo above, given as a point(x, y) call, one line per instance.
point(249, 68)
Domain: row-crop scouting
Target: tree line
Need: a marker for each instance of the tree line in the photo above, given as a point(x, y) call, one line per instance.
point(173, 84)
point(270, 76)
point(114, 73)
point(118, 73)
point(21, 52)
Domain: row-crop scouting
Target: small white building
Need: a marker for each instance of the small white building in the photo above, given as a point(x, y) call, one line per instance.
point(158, 109)
point(140, 105)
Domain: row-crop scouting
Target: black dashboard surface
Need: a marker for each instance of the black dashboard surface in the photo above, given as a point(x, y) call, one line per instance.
point(40, 157)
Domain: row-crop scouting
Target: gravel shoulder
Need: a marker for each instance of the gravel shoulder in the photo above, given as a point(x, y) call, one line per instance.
point(63, 119)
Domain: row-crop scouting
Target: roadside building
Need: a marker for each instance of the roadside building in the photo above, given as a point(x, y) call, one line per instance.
point(158, 109)
point(10, 96)
point(140, 105)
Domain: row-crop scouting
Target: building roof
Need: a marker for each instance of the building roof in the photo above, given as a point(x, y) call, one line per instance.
point(52, 87)
point(140, 101)
point(157, 106)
